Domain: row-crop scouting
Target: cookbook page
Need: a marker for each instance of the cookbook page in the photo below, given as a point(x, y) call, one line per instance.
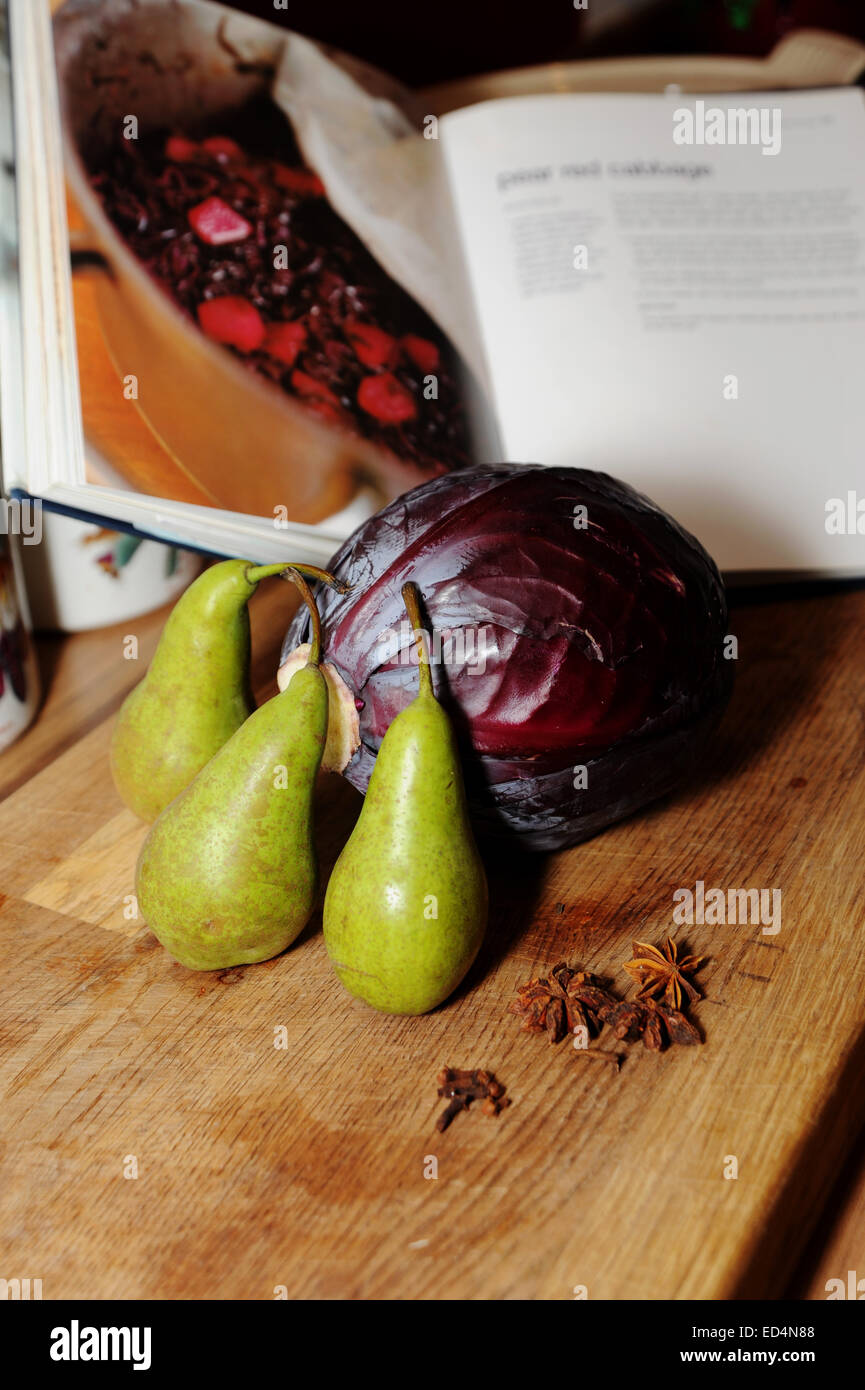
point(686, 314)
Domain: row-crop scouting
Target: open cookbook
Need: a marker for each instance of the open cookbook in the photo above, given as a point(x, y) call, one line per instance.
point(252, 288)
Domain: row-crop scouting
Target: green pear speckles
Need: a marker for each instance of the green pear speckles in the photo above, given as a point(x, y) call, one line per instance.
point(228, 873)
point(406, 906)
point(196, 692)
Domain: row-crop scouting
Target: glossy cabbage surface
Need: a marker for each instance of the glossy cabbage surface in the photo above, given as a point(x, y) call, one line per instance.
point(586, 632)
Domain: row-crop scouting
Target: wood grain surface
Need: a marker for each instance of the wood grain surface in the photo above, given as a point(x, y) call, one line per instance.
point(308, 1167)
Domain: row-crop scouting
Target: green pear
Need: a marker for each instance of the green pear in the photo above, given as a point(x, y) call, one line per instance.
point(196, 692)
point(406, 905)
point(228, 873)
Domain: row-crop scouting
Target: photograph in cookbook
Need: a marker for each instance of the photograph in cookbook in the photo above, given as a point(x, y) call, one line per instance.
point(241, 344)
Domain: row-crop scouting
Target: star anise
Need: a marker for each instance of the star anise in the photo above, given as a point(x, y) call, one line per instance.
point(661, 974)
point(558, 1005)
point(657, 1024)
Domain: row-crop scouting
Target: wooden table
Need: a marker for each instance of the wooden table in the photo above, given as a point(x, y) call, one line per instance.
point(308, 1168)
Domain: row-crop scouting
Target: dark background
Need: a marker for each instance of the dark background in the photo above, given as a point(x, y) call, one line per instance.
point(430, 42)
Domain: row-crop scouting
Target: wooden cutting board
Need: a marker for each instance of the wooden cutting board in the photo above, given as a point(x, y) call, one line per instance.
point(308, 1168)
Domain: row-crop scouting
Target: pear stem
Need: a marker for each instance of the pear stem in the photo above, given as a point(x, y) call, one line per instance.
point(297, 578)
point(411, 599)
point(255, 573)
